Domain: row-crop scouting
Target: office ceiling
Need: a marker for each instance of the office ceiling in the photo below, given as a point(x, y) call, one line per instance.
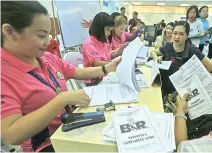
point(170, 2)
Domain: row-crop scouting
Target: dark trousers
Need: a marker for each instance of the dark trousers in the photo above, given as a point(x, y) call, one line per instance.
point(48, 149)
point(201, 46)
point(210, 51)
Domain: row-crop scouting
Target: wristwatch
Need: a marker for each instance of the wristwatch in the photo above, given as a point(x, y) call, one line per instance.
point(181, 116)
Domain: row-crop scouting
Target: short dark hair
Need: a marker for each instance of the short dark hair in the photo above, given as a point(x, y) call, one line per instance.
point(162, 20)
point(185, 24)
point(100, 21)
point(201, 8)
point(122, 8)
point(115, 14)
point(191, 8)
point(19, 14)
point(171, 24)
point(136, 13)
point(163, 25)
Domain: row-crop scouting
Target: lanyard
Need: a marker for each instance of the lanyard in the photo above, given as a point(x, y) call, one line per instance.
point(54, 80)
point(58, 89)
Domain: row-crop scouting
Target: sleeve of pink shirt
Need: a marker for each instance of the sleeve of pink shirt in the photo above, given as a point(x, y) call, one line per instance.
point(67, 68)
point(127, 35)
point(10, 102)
point(90, 53)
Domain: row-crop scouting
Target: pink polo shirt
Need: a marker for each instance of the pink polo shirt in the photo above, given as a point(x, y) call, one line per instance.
point(117, 42)
point(93, 50)
point(22, 93)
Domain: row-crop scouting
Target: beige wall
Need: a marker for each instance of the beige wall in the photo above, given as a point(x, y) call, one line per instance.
point(154, 14)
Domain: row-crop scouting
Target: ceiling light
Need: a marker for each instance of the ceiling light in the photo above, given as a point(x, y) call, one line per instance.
point(209, 5)
point(136, 3)
point(126, 3)
point(184, 4)
point(161, 4)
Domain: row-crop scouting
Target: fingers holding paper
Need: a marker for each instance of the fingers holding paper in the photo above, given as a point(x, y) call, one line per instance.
point(111, 67)
point(181, 103)
point(77, 97)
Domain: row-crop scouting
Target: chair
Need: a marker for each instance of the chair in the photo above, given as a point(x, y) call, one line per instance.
point(76, 59)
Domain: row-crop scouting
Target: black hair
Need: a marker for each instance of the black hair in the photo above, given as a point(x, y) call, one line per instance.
point(163, 25)
point(136, 13)
point(115, 14)
point(122, 8)
point(100, 21)
point(162, 20)
point(185, 24)
point(201, 8)
point(191, 8)
point(19, 14)
point(171, 24)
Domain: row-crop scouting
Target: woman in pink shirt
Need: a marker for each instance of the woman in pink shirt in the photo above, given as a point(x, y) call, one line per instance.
point(34, 91)
point(97, 48)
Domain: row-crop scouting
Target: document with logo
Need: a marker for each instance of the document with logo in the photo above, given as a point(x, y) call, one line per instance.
point(118, 93)
point(165, 123)
point(126, 69)
point(193, 69)
point(136, 131)
point(199, 102)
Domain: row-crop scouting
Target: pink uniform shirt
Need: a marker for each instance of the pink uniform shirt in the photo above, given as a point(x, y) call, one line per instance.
point(22, 93)
point(93, 50)
point(117, 42)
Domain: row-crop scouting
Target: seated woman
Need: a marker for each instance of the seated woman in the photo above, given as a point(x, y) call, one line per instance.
point(166, 36)
point(182, 132)
point(179, 51)
point(34, 92)
point(97, 48)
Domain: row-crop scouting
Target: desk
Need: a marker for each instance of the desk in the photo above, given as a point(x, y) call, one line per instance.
point(90, 139)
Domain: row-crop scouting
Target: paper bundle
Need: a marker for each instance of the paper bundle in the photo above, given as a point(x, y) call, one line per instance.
point(136, 129)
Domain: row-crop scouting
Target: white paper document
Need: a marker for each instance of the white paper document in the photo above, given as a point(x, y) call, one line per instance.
point(165, 123)
point(118, 93)
point(193, 78)
point(126, 69)
point(194, 30)
point(136, 131)
point(155, 78)
point(113, 79)
point(199, 102)
point(143, 52)
point(164, 65)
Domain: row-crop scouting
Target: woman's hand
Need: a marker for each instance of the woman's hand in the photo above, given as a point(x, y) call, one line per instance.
point(158, 59)
point(181, 104)
point(121, 49)
point(111, 67)
point(86, 24)
point(75, 97)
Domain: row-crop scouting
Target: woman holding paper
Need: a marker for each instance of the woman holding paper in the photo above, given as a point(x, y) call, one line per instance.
point(196, 27)
point(97, 48)
point(179, 51)
point(182, 132)
point(34, 91)
point(166, 36)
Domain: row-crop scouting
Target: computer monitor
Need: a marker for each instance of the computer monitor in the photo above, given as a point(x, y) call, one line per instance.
point(150, 33)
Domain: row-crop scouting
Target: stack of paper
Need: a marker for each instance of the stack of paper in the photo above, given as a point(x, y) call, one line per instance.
point(126, 90)
point(113, 79)
point(117, 93)
point(138, 130)
point(164, 65)
point(194, 79)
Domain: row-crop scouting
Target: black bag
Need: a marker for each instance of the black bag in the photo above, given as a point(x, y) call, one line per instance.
point(199, 127)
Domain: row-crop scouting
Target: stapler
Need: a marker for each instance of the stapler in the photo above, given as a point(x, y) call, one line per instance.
point(76, 120)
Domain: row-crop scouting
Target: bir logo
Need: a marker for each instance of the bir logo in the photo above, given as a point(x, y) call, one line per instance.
point(132, 125)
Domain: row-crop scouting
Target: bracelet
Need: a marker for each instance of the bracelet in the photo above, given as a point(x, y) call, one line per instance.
point(181, 116)
point(104, 70)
